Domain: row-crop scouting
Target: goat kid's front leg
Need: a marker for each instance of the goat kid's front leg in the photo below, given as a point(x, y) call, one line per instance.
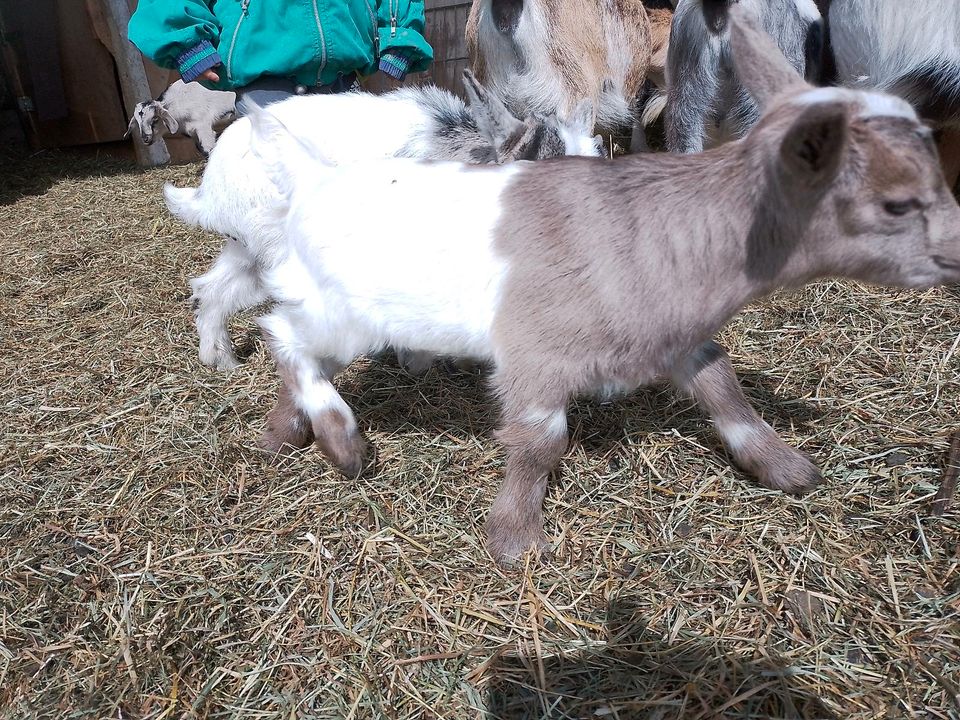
point(287, 425)
point(334, 426)
point(708, 375)
point(205, 140)
point(691, 94)
point(230, 285)
point(535, 441)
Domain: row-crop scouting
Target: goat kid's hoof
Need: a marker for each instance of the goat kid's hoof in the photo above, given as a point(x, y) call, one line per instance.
point(350, 456)
point(791, 472)
point(507, 548)
point(220, 360)
point(283, 442)
point(414, 362)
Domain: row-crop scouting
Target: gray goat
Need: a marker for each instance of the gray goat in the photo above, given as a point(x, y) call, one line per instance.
point(706, 100)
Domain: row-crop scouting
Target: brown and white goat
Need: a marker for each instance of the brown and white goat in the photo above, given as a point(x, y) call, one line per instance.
point(578, 274)
point(544, 57)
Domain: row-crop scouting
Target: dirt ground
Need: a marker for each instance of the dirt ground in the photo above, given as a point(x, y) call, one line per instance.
point(154, 564)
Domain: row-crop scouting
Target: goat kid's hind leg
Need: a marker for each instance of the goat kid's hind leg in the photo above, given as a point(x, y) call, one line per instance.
point(708, 375)
point(415, 362)
point(334, 425)
point(230, 285)
point(535, 440)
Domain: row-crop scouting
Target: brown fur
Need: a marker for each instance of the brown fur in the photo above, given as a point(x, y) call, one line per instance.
point(334, 430)
point(338, 439)
point(515, 522)
point(287, 425)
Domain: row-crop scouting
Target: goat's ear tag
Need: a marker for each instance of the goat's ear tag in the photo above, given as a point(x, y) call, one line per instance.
point(813, 147)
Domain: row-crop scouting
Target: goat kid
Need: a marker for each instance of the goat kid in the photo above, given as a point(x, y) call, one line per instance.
point(541, 56)
point(424, 123)
point(706, 101)
point(186, 109)
point(572, 275)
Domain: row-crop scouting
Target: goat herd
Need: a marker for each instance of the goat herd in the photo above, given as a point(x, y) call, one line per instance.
point(582, 275)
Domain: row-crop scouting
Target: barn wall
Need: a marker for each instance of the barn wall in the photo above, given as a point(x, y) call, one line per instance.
point(59, 65)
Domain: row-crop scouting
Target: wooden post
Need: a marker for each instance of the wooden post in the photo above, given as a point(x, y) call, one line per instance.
point(133, 77)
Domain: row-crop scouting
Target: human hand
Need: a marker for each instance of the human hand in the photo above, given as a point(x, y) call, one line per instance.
point(209, 75)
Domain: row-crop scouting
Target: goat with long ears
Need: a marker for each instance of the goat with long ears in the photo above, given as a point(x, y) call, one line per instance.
point(579, 275)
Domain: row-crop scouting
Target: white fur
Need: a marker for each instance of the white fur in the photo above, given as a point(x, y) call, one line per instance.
point(438, 294)
point(872, 104)
point(552, 422)
point(808, 10)
point(876, 42)
point(738, 435)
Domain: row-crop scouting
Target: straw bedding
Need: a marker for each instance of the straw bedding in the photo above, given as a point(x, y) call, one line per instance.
point(153, 564)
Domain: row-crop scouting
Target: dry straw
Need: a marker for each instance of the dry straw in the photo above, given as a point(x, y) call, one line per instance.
point(154, 565)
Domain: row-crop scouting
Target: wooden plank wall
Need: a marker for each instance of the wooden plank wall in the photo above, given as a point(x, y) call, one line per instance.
point(446, 20)
point(95, 111)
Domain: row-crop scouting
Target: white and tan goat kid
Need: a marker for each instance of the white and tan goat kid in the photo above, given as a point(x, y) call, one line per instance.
point(545, 56)
point(577, 274)
point(426, 123)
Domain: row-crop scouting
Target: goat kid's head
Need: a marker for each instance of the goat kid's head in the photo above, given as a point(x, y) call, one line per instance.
point(146, 116)
point(535, 138)
point(855, 173)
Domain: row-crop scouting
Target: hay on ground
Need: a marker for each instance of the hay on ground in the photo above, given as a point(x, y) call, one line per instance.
point(154, 565)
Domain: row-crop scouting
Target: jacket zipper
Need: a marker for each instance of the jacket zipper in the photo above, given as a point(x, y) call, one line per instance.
point(323, 42)
point(233, 40)
point(393, 18)
point(376, 32)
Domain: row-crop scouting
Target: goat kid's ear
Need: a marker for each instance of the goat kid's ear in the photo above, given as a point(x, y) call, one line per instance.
point(172, 125)
point(760, 65)
point(495, 122)
point(130, 126)
point(814, 146)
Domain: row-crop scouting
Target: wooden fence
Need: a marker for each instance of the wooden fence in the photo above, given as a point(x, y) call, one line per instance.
point(61, 59)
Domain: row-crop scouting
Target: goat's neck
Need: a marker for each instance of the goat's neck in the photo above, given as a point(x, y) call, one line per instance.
point(723, 240)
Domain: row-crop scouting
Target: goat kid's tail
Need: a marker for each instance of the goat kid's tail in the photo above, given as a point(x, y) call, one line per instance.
point(286, 159)
point(184, 203)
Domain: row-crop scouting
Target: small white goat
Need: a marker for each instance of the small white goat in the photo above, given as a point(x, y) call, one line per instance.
point(908, 49)
point(575, 274)
point(542, 56)
point(426, 123)
point(706, 101)
point(185, 109)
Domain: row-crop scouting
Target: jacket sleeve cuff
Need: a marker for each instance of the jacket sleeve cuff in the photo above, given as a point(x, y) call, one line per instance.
point(394, 64)
point(197, 60)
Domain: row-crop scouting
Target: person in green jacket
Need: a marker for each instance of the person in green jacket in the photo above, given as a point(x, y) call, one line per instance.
point(271, 49)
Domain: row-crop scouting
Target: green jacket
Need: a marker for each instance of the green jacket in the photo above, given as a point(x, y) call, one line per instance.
point(310, 41)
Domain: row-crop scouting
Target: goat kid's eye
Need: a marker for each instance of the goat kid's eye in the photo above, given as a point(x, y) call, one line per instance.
point(899, 208)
